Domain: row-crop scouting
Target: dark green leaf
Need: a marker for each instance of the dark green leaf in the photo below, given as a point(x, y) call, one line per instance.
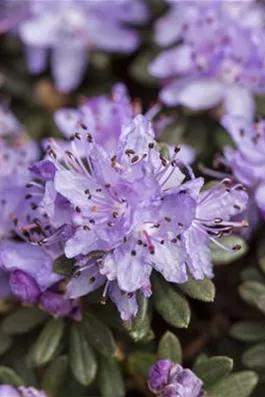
point(45, 347)
point(140, 363)
point(251, 274)
point(82, 358)
point(5, 343)
point(171, 305)
point(203, 290)
point(54, 375)
point(110, 379)
point(10, 377)
point(221, 257)
point(139, 328)
point(255, 357)
point(23, 320)
point(211, 370)
point(240, 384)
point(248, 331)
point(64, 266)
point(252, 292)
point(169, 347)
point(98, 335)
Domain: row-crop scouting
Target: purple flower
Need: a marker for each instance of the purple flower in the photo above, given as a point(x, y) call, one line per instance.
point(123, 212)
point(72, 29)
point(220, 58)
point(17, 152)
point(10, 391)
point(212, 220)
point(246, 161)
point(32, 279)
point(167, 379)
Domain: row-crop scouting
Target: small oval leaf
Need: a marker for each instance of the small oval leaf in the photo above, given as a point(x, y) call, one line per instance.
point(203, 290)
point(82, 358)
point(64, 266)
point(54, 375)
point(98, 335)
point(10, 377)
point(5, 343)
point(254, 357)
point(211, 370)
point(139, 328)
point(248, 331)
point(111, 382)
point(140, 363)
point(252, 292)
point(47, 343)
point(171, 305)
point(23, 320)
point(222, 257)
point(240, 384)
point(169, 348)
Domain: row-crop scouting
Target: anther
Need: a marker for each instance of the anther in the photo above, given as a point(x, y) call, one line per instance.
point(83, 126)
point(134, 159)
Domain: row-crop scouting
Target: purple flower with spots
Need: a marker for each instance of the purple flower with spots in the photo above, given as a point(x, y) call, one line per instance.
point(11, 391)
point(220, 58)
point(167, 379)
point(123, 212)
point(71, 30)
point(17, 152)
point(246, 161)
point(212, 220)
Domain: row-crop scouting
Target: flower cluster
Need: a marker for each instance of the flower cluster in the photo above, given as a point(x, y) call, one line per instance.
point(71, 29)
point(246, 162)
point(120, 208)
point(10, 391)
point(167, 379)
point(26, 270)
point(220, 57)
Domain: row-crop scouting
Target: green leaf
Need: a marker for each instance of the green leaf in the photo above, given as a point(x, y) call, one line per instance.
point(251, 274)
point(140, 363)
point(64, 266)
point(248, 331)
point(171, 305)
point(45, 347)
point(82, 358)
point(169, 347)
point(110, 379)
point(5, 343)
point(255, 357)
point(139, 328)
point(252, 292)
point(261, 252)
point(23, 320)
point(98, 335)
point(222, 257)
point(203, 290)
point(10, 377)
point(211, 370)
point(240, 384)
point(138, 69)
point(54, 375)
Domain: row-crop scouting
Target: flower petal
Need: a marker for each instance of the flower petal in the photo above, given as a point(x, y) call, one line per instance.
point(196, 95)
point(126, 303)
point(239, 101)
point(171, 62)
